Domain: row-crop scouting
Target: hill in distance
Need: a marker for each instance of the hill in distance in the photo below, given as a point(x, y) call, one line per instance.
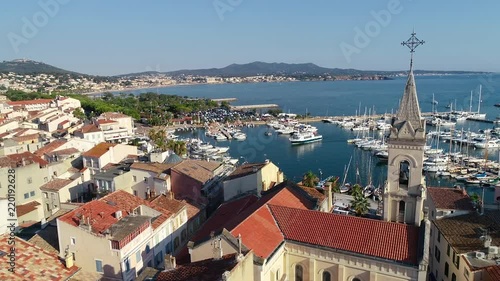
point(24, 67)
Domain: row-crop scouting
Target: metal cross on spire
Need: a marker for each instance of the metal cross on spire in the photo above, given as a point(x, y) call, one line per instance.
point(412, 44)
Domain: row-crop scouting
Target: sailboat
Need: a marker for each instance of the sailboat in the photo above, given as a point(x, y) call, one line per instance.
point(370, 188)
point(478, 115)
point(346, 187)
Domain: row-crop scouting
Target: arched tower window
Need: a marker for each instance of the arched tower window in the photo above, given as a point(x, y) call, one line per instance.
point(299, 273)
point(404, 173)
point(402, 207)
point(326, 276)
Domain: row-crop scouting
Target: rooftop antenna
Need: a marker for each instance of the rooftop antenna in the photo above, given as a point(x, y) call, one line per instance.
point(412, 43)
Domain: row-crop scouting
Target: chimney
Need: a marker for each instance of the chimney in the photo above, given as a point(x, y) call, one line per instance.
point(217, 244)
point(68, 258)
point(329, 191)
point(170, 262)
point(487, 241)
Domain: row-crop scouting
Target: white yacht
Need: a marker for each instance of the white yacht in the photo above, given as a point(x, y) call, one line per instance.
point(301, 138)
point(240, 136)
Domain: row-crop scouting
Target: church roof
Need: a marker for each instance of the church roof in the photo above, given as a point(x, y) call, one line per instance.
point(409, 109)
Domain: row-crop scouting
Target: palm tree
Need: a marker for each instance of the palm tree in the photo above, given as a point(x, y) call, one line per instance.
point(357, 191)
point(310, 179)
point(360, 205)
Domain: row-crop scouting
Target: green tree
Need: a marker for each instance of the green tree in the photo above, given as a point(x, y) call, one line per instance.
point(159, 139)
point(357, 191)
point(78, 113)
point(360, 205)
point(310, 179)
point(335, 184)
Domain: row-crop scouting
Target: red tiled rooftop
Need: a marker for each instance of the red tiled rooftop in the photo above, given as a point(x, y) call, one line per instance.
point(26, 138)
point(49, 147)
point(206, 270)
point(100, 214)
point(169, 204)
point(33, 263)
point(21, 159)
point(493, 272)
point(386, 240)
point(90, 128)
point(245, 170)
point(27, 208)
point(450, 198)
point(259, 232)
point(105, 121)
point(28, 102)
point(199, 170)
point(99, 150)
point(55, 184)
point(66, 151)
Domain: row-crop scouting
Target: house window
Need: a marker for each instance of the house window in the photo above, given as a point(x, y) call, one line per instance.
point(30, 180)
point(326, 276)
point(74, 256)
point(299, 273)
point(73, 240)
point(145, 179)
point(127, 265)
point(278, 274)
point(466, 273)
point(453, 277)
point(168, 247)
point(176, 242)
point(32, 193)
point(184, 235)
point(98, 266)
point(148, 249)
point(135, 192)
point(45, 195)
point(448, 250)
point(437, 253)
point(456, 260)
point(138, 256)
point(26, 195)
point(135, 178)
point(446, 269)
point(439, 236)
point(404, 173)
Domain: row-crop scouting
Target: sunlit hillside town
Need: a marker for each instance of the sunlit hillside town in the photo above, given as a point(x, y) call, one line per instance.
point(107, 198)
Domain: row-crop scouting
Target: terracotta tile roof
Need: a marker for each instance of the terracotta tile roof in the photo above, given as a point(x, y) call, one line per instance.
point(206, 270)
point(450, 198)
point(240, 217)
point(102, 211)
point(16, 160)
point(112, 115)
point(99, 150)
point(26, 138)
point(245, 170)
point(168, 204)
point(157, 168)
point(55, 184)
point(66, 151)
point(28, 102)
point(27, 208)
point(192, 209)
point(100, 214)
point(463, 232)
point(259, 232)
point(314, 193)
point(33, 263)
point(381, 239)
point(90, 128)
point(50, 147)
point(493, 272)
point(47, 239)
point(199, 170)
point(105, 121)
point(128, 202)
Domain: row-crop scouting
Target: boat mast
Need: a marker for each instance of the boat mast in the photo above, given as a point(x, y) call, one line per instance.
point(346, 171)
point(470, 103)
point(479, 102)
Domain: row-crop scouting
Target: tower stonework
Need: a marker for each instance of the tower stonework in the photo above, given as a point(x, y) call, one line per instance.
point(405, 191)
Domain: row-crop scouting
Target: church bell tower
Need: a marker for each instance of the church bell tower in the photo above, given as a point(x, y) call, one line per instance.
point(405, 191)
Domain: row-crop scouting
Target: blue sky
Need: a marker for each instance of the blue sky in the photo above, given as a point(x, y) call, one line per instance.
point(115, 37)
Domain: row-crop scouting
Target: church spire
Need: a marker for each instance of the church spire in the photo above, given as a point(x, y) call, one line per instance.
point(409, 109)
